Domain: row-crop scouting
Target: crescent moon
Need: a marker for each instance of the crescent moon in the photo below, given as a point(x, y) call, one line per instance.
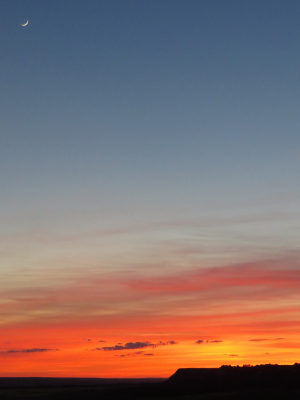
point(25, 23)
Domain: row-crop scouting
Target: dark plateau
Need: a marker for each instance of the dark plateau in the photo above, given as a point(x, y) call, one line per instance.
point(279, 382)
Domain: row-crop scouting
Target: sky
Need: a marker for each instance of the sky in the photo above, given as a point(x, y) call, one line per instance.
point(149, 170)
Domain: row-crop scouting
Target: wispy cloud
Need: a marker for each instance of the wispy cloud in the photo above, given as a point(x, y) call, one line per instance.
point(35, 350)
point(263, 340)
point(259, 275)
point(135, 345)
point(81, 297)
point(127, 346)
point(134, 354)
point(201, 341)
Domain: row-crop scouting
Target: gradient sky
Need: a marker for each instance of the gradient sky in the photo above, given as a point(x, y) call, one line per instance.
point(149, 161)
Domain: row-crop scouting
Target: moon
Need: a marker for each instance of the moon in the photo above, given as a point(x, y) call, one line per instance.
point(25, 23)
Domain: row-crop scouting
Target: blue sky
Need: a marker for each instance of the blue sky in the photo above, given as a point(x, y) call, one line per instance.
point(178, 119)
point(126, 113)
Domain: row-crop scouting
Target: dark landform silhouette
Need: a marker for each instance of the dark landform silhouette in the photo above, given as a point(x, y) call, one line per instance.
point(68, 382)
point(279, 382)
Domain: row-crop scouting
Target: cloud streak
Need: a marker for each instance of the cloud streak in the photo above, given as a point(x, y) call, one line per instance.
point(263, 340)
point(134, 354)
point(200, 341)
point(34, 350)
point(135, 345)
point(249, 282)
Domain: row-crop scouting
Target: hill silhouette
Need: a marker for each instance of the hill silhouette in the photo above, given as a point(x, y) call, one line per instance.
point(276, 382)
point(234, 378)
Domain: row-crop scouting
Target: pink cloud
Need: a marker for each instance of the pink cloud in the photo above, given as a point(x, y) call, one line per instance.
point(215, 294)
point(265, 274)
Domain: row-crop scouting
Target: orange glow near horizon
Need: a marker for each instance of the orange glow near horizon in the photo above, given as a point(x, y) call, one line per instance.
point(150, 326)
point(80, 359)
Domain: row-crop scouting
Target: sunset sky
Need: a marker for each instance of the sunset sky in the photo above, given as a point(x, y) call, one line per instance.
point(149, 161)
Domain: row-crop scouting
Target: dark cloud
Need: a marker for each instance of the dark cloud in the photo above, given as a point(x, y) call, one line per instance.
point(136, 353)
point(89, 340)
point(35, 350)
point(160, 343)
point(128, 346)
point(200, 341)
point(233, 355)
point(101, 341)
point(148, 354)
point(135, 345)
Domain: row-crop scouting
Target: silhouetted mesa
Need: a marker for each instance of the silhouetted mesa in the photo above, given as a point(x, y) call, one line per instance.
point(261, 382)
point(228, 378)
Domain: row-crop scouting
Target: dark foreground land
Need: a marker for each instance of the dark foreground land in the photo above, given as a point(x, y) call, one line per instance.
point(263, 382)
